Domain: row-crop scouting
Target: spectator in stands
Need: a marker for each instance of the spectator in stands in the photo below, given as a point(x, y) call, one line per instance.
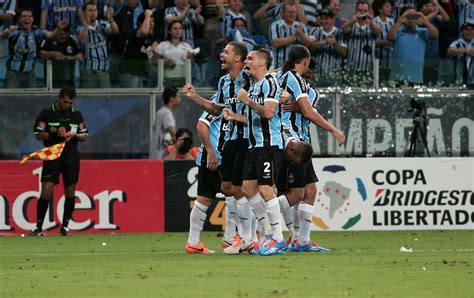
point(399, 5)
point(7, 13)
point(310, 9)
point(187, 16)
point(286, 32)
point(64, 52)
point(52, 11)
point(164, 126)
point(240, 33)
point(126, 17)
point(183, 148)
point(24, 43)
point(227, 16)
point(134, 66)
point(93, 37)
point(34, 5)
point(329, 49)
point(409, 43)
point(465, 11)
point(273, 10)
point(463, 52)
point(383, 47)
point(436, 15)
point(335, 7)
point(174, 51)
point(361, 33)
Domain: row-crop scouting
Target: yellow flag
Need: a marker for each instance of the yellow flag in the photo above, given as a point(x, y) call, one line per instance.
point(49, 153)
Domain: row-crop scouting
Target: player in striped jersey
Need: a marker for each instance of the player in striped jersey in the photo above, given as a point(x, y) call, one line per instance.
point(463, 50)
point(263, 129)
point(361, 32)
point(187, 16)
point(236, 145)
point(93, 37)
point(329, 49)
point(383, 47)
point(285, 33)
point(211, 131)
point(295, 178)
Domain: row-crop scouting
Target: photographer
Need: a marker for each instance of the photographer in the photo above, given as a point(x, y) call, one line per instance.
point(183, 149)
point(361, 33)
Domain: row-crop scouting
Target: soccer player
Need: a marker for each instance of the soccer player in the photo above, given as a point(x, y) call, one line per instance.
point(58, 123)
point(299, 179)
point(263, 159)
point(211, 132)
point(236, 144)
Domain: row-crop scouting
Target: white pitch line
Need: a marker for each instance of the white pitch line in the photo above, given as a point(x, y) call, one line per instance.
point(468, 250)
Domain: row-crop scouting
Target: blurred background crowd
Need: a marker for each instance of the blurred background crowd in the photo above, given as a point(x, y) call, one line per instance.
point(121, 43)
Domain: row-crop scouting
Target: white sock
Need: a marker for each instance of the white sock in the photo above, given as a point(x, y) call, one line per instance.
point(273, 210)
point(245, 215)
point(230, 223)
point(196, 222)
point(283, 201)
point(260, 211)
point(305, 214)
point(296, 221)
point(254, 228)
point(289, 222)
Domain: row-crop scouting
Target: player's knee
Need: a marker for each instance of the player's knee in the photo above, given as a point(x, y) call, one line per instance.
point(295, 195)
point(203, 200)
point(226, 188)
point(266, 191)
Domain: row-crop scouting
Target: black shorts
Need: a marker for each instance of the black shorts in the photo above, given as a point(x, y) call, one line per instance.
point(295, 176)
point(310, 173)
point(233, 159)
point(68, 165)
point(209, 182)
point(291, 176)
point(263, 165)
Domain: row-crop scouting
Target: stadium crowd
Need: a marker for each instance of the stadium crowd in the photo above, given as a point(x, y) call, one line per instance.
point(117, 43)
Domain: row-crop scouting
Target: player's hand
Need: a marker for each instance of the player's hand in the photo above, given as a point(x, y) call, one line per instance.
point(340, 137)
point(331, 40)
point(243, 97)
point(284, 97)
point(189, 90)
point(228, 114)
point(198, 9)
point(211, 160)
point(291, 106)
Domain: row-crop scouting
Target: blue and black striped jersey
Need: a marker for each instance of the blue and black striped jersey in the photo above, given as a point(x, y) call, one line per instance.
point(313, 96)
point(62, 10)
point(264, 132)
point(217, 131)
point(384, 54)
point(279, 29)
point(360, 48)
point(227, 90)
point(296, 87)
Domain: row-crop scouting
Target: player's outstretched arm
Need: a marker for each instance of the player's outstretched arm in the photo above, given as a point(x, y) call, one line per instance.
point(203, 103)
point(231, 115)
point(312, 115)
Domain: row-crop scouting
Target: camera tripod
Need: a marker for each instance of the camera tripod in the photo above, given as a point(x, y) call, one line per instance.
point(417, 133)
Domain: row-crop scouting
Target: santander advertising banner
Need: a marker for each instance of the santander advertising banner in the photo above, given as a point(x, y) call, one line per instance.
point(112, 196)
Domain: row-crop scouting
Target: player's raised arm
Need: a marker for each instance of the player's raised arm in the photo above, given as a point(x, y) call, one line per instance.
point(207, 105)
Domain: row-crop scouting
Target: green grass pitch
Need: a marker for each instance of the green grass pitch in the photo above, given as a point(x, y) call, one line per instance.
point(363, 264)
